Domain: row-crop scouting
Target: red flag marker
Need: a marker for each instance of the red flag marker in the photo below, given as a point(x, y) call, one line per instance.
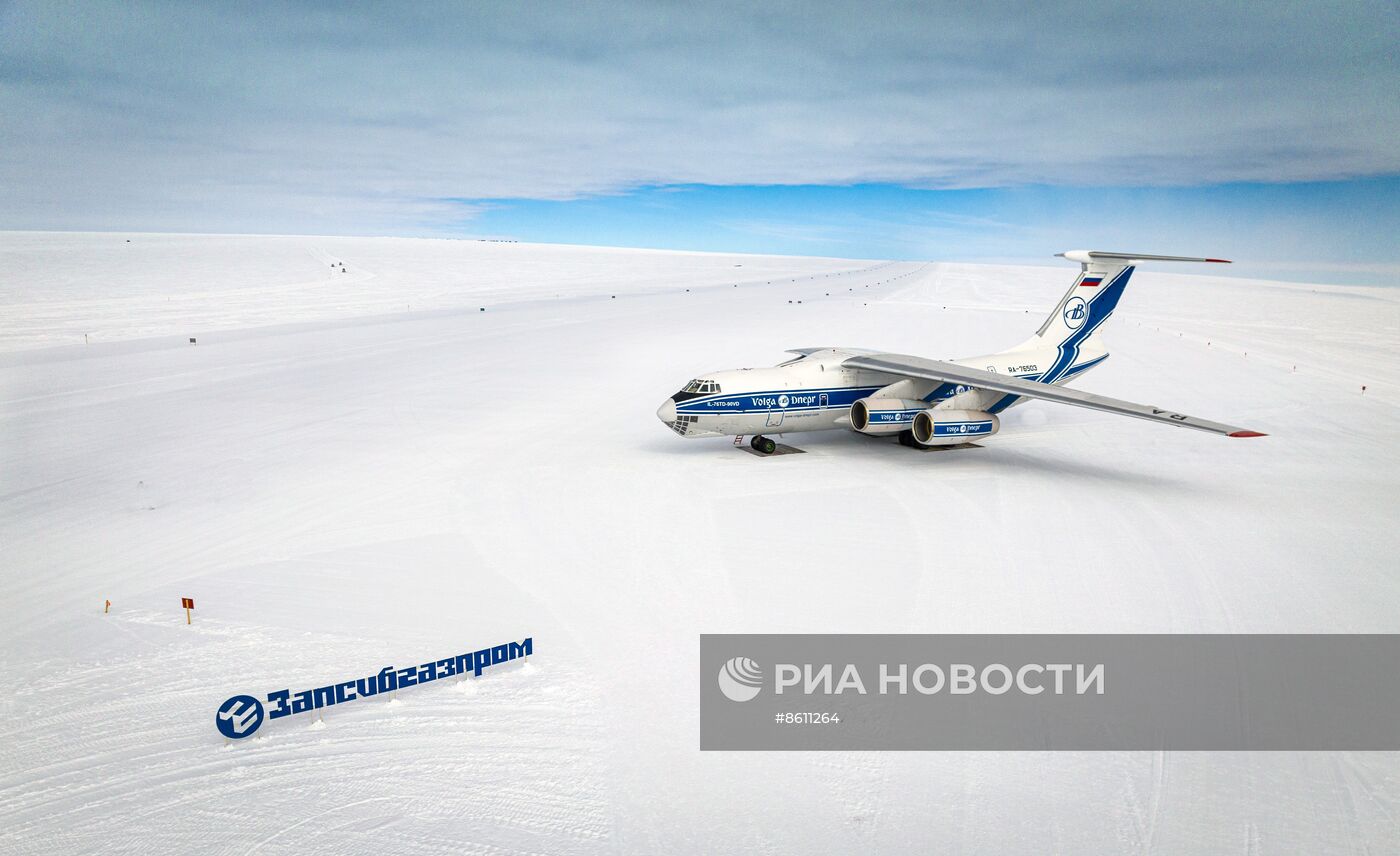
point(188, 604)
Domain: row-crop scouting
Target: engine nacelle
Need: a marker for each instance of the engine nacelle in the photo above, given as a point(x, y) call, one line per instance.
point(884, 415)
point(949, 427)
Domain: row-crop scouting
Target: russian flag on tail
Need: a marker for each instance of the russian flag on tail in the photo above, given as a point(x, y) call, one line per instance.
point(1091, 281)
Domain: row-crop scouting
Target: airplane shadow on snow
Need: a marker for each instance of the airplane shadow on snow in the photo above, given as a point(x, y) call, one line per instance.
point(999, 461)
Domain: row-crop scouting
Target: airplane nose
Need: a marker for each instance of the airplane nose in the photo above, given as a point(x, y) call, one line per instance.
point(667, 411)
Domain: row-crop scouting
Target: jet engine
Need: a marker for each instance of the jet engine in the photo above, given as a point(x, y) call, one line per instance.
point(884, 415)
point(936, 427)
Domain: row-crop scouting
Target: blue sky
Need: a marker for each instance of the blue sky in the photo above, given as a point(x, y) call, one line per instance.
point(997, 130)
point(1271, 229)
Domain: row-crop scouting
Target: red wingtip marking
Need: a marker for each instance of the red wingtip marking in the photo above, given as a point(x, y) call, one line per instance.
point(1248, 434)
point(1221, 261)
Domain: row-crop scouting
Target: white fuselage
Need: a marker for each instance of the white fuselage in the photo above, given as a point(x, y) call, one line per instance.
point(815, 392)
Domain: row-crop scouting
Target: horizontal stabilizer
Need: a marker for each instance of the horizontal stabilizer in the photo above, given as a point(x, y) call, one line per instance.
point(1086, 256)
point(936, 370)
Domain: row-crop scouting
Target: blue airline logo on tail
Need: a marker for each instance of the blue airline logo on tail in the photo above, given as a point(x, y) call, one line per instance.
point(1075, 312)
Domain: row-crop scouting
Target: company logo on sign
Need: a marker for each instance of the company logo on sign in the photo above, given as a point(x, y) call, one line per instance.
point(239, 717)
point(740, 679)
point(1075, 312)
point(782, 401)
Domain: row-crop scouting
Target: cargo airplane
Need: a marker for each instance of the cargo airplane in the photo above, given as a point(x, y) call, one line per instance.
point(928, 402)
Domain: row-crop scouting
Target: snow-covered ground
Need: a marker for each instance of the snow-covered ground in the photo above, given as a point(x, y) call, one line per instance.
point(356, 469)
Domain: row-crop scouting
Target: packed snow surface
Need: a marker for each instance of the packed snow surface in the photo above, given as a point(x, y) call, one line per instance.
point(362, 468)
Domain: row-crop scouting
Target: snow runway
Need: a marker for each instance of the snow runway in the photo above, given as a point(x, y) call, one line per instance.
point(348, 473)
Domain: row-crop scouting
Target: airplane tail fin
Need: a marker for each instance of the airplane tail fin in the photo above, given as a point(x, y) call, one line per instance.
point(1094, 294)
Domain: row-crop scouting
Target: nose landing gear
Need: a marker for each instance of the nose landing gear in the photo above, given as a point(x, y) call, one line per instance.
point(763, 445)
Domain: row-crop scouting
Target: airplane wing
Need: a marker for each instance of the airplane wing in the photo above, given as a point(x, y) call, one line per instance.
point(802, 352)
point(936, 370)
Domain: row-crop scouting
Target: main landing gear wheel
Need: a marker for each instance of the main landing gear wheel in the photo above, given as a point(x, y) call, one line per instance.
point(906, 438)
point(763, 445)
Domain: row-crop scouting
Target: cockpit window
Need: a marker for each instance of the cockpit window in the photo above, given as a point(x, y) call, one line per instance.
point(701, 387)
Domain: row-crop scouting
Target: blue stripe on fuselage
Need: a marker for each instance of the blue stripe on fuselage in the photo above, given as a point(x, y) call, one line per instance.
point(762, 402)
point(1008, 400)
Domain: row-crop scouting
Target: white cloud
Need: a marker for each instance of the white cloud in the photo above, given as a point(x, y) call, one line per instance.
point(365, 119)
